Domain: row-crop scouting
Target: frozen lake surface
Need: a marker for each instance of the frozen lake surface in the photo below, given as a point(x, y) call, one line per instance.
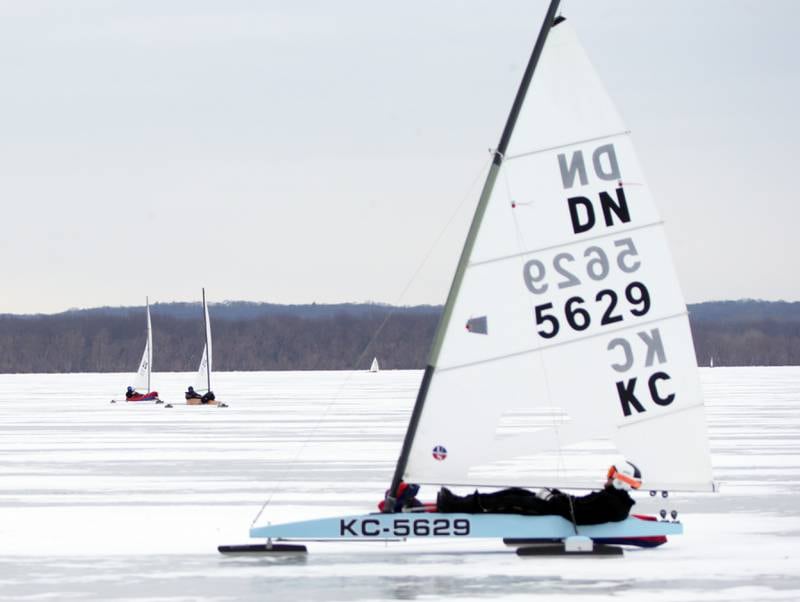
point(128, 502)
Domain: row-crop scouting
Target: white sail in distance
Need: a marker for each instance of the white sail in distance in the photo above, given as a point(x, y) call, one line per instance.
point(141, 381)
point(374, 367)
point(568, 346)
point(203, 378)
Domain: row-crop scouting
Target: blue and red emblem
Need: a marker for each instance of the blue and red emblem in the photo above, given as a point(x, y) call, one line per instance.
point(439, 453)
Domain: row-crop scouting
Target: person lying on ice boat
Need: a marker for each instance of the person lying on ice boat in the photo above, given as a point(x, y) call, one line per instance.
point(133, 395)
point(192, 394)
point(611, 504)
point(207, 398)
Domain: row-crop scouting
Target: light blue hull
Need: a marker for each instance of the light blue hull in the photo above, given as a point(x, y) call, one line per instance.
point(378, 526)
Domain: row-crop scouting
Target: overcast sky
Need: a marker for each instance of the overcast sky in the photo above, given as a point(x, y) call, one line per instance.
point(303, 151)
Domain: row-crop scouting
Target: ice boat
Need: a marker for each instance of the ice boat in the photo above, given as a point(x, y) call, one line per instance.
point(202, 381)
point(141, 381)
point(564, 343)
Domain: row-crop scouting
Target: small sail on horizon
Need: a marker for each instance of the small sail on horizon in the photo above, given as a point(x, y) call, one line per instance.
point(583, 355)
point(374, 367)
point(141, 382)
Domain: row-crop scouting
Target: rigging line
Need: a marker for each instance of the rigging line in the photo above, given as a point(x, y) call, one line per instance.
point(289, 465)
point(468, 195)
point(572, 513)
point(555, 421)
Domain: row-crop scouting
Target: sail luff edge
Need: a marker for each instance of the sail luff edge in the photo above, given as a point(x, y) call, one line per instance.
point(466, 252)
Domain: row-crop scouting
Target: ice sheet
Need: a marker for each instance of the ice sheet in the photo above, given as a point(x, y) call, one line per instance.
point(128, 502)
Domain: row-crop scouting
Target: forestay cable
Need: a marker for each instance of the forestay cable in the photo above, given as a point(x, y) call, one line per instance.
point(424, 261)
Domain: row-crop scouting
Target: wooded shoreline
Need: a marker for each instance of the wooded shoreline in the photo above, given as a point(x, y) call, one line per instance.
point(256, 336)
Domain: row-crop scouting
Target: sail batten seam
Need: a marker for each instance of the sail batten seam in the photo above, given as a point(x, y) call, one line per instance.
point(552, 148)
point(562, 343)
point(568, 243)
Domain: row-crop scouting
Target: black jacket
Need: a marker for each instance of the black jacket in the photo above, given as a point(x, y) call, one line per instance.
point(604, 506)
point(607, 505)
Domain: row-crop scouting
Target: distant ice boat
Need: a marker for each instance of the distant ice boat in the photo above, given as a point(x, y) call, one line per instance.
point(142, 378)
point(374, 367)
point(201, 392)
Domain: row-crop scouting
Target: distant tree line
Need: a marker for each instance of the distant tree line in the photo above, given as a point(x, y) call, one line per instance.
point(749, 343)
point(746, 333)
point(325, 337)
point(95, 341)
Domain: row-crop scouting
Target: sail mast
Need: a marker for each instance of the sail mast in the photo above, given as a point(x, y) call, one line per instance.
point(149, 342)
point(208, 348)
point(497, 161)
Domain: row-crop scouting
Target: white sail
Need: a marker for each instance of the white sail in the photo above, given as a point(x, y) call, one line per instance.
point(374, 367)
point(141, 381)
point(569, 345)
point(203, 378)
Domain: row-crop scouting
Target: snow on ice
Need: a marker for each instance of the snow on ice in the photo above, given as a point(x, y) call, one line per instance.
point(103, 501)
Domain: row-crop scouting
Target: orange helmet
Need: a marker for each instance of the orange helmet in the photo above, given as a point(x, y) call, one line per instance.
point(627, 477)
